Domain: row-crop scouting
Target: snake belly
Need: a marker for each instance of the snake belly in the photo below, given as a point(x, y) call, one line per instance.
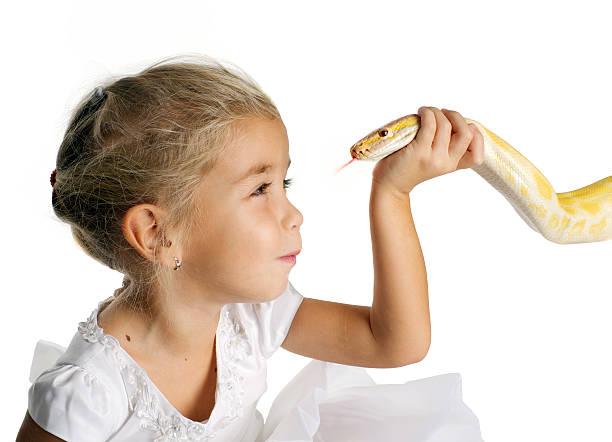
point(579, 216)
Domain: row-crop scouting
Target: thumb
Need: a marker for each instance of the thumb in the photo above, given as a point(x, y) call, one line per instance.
point(474, 155)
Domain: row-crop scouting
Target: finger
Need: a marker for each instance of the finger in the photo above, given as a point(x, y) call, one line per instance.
point(477, 145)
point(475, 153)
point(443, 133)
point(462, 134)
point(427, 130)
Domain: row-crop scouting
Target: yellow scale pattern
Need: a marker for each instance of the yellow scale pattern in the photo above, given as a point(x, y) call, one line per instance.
point(568, 201)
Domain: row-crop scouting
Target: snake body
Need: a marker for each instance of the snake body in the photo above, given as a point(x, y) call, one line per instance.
point(579, 216)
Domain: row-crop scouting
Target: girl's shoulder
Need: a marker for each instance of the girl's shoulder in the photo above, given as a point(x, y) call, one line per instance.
point(90, 351)
point(269, 322)
point(83, 391)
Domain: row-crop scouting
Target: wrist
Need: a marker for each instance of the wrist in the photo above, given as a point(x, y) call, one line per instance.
point(380, 187)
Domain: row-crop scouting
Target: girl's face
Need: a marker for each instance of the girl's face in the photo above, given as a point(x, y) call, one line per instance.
point(247, 221)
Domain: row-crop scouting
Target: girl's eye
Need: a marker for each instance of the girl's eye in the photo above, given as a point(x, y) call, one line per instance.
point(263, 187)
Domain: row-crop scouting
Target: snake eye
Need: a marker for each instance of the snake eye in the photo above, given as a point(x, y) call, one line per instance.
point(383, 132)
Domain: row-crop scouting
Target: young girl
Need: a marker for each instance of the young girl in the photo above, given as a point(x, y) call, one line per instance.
point(175, 178)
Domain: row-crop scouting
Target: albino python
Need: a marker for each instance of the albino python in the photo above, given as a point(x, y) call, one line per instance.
point(582, 215)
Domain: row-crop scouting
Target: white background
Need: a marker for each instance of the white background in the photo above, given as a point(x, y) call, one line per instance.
point(526, 322)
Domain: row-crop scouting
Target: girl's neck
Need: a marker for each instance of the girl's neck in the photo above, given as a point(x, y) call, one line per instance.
point(177, 332)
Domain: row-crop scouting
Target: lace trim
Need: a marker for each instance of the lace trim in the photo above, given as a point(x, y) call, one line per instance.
point(235, 347)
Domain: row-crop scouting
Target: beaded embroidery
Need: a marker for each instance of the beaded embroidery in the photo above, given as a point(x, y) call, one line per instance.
point(235, 347)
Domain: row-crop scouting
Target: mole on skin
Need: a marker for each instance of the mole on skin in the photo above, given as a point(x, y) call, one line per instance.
point(127, 337)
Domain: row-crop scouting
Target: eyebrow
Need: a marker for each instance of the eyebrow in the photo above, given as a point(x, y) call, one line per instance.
point(257, 169)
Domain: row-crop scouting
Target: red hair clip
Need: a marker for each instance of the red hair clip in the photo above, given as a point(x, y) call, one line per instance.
point(53, 177)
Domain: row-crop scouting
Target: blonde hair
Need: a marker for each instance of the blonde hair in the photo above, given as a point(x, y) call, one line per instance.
point(148, 138)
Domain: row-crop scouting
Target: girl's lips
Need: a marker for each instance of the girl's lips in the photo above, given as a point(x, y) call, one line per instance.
point(289, 259)
point(297, 252)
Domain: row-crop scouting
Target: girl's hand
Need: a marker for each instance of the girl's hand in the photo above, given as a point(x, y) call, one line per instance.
point(443, 144)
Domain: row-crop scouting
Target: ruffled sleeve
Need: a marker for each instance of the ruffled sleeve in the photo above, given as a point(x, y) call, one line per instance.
point(71, 403)
point(274, 319)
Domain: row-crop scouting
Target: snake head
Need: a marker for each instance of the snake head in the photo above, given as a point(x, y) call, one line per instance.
point(387, 139)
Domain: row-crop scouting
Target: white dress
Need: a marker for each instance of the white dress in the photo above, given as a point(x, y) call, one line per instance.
point(94, 391)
